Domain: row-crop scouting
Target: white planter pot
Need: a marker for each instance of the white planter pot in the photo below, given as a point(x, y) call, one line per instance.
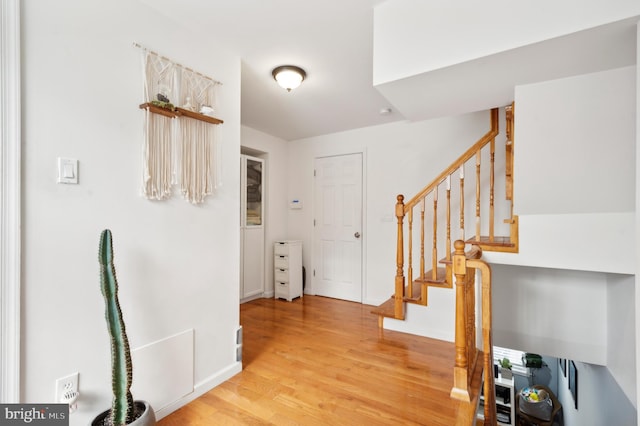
point(148, 417)
point(506, 373)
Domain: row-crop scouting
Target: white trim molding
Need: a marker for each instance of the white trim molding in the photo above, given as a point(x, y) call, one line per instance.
point(201, 388)
point(10, 201)
point(637, 227)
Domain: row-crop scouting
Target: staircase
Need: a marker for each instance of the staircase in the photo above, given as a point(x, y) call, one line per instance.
point(426, 255)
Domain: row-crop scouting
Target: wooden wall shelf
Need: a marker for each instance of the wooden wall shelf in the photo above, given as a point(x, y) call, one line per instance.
point(198, 116)
point(158, 110)
point(180, 112)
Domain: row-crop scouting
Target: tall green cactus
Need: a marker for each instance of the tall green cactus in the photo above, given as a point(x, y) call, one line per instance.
point(122, 408)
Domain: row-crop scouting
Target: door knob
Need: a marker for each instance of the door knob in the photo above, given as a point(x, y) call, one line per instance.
point(357, 235)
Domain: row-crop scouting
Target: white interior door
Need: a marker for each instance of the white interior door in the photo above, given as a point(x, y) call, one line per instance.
point(337, 236)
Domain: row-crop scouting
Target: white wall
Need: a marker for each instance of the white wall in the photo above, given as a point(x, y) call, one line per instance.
point(551, 311)
point(621, 330)
point(597, 242)
point(559, 312)
point(274, 151)
point(584, 203)
point(403, 27)
point(177, 264)
point(637, 217)
point(583, 198)
point(576, 315)
point(600, 399)
point(399, 158)
point(436, 321)
point(555, 121)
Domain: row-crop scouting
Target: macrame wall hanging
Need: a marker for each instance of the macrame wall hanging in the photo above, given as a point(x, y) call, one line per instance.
point(180, 147)
point(198, 147)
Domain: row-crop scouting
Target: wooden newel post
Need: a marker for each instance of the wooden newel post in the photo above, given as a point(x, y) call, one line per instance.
point(460, 388)
point(399, 291)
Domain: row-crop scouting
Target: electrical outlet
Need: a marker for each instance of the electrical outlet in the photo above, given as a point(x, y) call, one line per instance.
point(66, 384)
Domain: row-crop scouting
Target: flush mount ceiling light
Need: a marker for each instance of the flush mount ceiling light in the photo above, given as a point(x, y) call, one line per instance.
point(289, 76)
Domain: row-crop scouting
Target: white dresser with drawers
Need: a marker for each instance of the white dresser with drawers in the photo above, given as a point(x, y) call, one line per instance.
point(287, 265)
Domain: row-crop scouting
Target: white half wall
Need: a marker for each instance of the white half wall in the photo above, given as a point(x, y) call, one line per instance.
point(177, 264)
point(621, 333)
point(597, 242)
point(577, 211)
point(582, 129)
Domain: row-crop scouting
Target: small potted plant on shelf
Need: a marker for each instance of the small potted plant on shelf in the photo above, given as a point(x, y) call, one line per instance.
point(124, 410)
point(505, 369)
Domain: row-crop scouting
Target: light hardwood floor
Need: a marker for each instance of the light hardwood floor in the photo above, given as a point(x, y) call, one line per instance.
point(321, 361)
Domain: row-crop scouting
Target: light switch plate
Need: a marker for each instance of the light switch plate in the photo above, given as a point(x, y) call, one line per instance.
point(67, 170)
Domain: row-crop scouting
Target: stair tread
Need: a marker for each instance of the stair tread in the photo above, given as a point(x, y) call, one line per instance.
point(473, 253)
point(497, 241)
point(440, 281)
point(386, 309)
point(416, 297)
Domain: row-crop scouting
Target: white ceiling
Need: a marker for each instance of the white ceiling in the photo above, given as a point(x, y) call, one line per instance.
point(333, 41)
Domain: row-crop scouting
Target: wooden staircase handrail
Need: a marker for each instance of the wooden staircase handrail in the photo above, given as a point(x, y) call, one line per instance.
point(412, 287)
point(459, 270)
point(469, 153)
point(487, 338)
point(467, 354)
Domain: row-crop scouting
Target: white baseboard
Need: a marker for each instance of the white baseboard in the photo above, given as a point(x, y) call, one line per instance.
point(201, 388)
